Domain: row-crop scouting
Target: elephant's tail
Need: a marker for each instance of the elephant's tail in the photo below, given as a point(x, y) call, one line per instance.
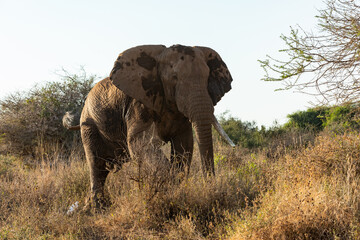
point(71, 121)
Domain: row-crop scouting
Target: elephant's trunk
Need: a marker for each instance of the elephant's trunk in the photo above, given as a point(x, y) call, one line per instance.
point(204, 139)
point(201, 115)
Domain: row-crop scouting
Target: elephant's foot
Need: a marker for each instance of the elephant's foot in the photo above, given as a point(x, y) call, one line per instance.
point(96, 204)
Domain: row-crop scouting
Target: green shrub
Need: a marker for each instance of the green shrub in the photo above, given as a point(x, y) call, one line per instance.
point(335, 118)
point(34, 118)
point(342, 118)
point(243, 133)
point(311, 119)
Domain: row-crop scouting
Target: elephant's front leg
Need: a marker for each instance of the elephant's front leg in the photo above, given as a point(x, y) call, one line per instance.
point(144, 144)
point(138, 138)
point(142, 138)
point(182, 148)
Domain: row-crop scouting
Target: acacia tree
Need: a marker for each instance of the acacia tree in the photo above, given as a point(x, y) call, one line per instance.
point(330, 57)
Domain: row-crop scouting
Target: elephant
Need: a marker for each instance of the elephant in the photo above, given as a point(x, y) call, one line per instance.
point(159, 91)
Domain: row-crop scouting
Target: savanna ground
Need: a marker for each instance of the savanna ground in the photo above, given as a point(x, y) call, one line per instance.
point(308, 192)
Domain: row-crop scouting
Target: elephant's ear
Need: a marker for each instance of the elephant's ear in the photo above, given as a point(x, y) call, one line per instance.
point(220, 79)
point(135, 73)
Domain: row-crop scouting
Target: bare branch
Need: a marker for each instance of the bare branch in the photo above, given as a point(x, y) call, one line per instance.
point(331, 57)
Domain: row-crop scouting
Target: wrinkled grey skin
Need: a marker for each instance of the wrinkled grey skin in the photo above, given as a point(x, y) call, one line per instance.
point(156, 94)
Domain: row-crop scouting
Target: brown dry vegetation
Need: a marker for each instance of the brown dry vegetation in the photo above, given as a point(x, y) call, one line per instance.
point(304, 193)
point(315, 195)
point(145, 204)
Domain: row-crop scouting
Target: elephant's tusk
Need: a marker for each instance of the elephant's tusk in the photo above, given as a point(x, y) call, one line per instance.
point(221, 131)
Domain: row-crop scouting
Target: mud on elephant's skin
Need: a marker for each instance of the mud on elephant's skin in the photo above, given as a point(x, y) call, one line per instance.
point(168, 91)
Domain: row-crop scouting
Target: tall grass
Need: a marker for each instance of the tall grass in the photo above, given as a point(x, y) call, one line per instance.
point(315, 195)
point(303, 193)
point(36, 196)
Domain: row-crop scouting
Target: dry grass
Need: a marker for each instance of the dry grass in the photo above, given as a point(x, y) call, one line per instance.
point(146, 204)
point(35, 197)
point(315, 195)
point(308, 193)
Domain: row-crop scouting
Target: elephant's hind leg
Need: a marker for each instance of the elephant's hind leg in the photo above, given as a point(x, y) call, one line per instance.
point(97, 163)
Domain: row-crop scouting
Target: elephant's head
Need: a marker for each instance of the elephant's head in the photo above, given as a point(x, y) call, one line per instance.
point(190, 80)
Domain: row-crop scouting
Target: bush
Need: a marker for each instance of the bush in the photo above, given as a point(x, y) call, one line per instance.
point(300, 130)
point(29, 120)
point(335, 118)
point(243, 133)
point(311, 119)
point(248, 135)
point(342, 118)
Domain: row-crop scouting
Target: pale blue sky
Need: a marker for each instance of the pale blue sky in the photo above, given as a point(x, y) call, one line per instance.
point(40, 37)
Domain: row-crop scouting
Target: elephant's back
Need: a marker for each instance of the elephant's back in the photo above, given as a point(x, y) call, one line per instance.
point(104, 109)
point(105, 92)
point(104, 96)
